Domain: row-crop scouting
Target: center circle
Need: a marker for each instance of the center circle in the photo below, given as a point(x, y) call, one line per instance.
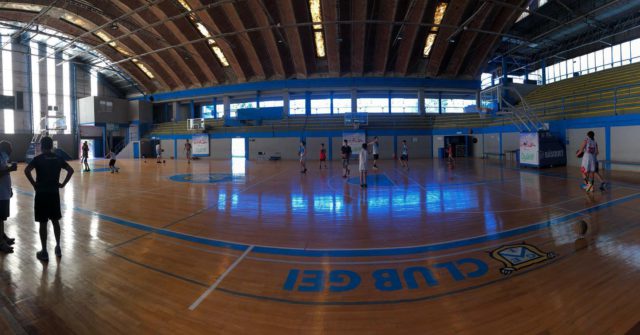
point(202, 178)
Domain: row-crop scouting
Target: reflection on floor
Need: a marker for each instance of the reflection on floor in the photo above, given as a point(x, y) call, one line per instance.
point(237, 247)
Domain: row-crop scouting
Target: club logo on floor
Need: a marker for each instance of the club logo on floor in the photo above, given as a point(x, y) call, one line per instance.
point(518, 256)
point(202, 178)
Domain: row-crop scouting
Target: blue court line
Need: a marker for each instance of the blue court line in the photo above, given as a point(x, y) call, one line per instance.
point(397, 251)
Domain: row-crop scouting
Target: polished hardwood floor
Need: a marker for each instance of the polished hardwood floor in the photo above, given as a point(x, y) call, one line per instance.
point(256, 247)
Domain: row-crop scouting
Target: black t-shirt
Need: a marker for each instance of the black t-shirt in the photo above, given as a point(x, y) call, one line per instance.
point(346, 151)
point(85, 150)
point(48, 166)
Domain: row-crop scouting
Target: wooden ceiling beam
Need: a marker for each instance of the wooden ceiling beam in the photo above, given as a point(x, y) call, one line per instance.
point(465, 38)
point(287, 15)
point(109, 53)
point(246, 41)
point(382, 47)
point(488, 42)
point(409, 34)
point(358, 36)
point(452, 17)
point(268, 37)
point(331, 38)
point(223, 43)
point(164, 72)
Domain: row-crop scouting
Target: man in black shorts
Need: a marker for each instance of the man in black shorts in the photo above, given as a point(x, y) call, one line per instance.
point(6, 167)
point(346, 154)
point(47, 203)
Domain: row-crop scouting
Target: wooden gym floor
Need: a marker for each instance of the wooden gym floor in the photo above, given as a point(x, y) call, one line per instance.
point(235, 247)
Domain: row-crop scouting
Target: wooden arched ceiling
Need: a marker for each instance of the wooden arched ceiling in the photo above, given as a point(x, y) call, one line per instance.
point(274, 39)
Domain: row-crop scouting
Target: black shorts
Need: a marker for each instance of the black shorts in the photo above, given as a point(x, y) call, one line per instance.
point(47, 206)
point(376, 156)
point(4, 209)
point(112, 162)
point(404, 158)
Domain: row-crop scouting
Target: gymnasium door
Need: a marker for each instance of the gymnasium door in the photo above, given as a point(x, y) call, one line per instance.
point(91, 144)
point(238, 148)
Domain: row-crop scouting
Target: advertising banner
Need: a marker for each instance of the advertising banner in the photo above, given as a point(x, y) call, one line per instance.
point(355, 140)
point(529, 149)
point(200, 143)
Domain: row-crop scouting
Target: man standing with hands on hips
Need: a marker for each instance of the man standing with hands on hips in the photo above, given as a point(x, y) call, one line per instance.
point(47, 184)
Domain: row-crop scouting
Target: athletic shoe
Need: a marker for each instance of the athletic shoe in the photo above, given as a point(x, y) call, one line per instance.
point(583, 186)
point(603, 186)
point(9, 240)
point(5, 247)
point(589, 187)
point(58, 251)
point(42, 255)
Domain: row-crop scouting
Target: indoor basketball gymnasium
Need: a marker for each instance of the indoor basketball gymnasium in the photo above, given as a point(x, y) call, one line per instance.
point(320, 167)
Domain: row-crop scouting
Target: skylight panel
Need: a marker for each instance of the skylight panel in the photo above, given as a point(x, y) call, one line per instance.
point(204, 32)
point(431, 36)
point(143, 68)
point(216, 49)
point(318, 34)
point(21, 6)
point(184, 5)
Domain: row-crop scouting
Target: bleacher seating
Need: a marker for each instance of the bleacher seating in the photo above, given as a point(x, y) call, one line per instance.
point(593, 94)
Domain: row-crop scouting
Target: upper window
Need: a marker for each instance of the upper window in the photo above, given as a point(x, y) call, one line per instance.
point(320, 104)
point(208, 112)
point(297, 106)
point(404, 102)
point(453, 103)
point(235, 106)
point(373, 103)
point(605, 58)
point(341, 103)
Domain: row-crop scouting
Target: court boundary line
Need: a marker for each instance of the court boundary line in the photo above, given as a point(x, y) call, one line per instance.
point(364, 252)
point(380, 302)
point(213, 286)
point(556, 260)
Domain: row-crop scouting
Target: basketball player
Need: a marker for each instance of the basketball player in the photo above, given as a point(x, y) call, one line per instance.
point(362, 165)
point(158, 152)
point(450, 158)
point(404, 155)
point(323, 156)
point(47, 201)
point(85, 156)
point(187, 149)
point(303, 157)
point(346, 154)
point(5, 193)
point(589, 152)
point(112, 161)
point(375, 148)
